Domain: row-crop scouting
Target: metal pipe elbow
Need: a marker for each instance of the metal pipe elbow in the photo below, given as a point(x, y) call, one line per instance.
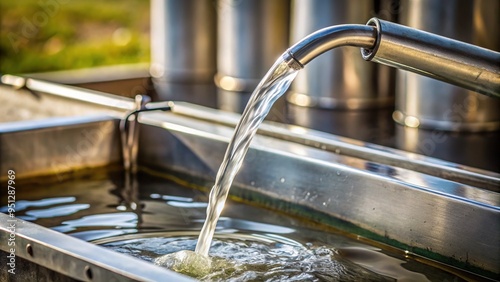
point(328, 38)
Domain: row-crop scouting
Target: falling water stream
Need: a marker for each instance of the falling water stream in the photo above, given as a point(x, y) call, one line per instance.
point(271, 87)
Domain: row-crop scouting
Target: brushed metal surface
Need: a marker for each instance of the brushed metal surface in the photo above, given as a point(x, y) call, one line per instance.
point(52, 129)
point(76, 258)
point(251, 35)
point(355, 148)
point(28, 99)
point(183, 37)
point(58, 146)
point(183, 50)
point(22, 105)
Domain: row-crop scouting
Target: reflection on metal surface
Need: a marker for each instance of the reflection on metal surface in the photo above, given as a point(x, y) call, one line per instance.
point(373, 126)
point(325, 39)
point(74, 93)
point(350, 147)
point(479, 149)
point(183, 46)
point(236, 84)
point(35, 100)
point(251, 35)
point(43, 101)
point(306, 100)
point(183, 41)
point(15, 81)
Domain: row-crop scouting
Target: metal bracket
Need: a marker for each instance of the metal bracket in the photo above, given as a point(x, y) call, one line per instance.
point(129, 135)
point(129, 129)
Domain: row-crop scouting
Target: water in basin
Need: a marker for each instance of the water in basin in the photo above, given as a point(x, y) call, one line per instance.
point(160, 216)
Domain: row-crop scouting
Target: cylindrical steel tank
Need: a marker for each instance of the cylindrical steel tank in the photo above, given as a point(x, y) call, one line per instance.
point(183, 50)
point(252, 34)
point(340, 79)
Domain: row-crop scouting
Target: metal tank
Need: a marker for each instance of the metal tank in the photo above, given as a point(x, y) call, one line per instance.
point(183, 50)
point(252, 34)
point(341, 79)
point(340, 93)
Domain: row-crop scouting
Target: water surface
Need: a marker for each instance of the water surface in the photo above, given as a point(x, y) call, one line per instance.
point(160, 217)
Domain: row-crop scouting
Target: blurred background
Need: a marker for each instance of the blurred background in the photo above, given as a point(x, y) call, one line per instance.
point(50, 35)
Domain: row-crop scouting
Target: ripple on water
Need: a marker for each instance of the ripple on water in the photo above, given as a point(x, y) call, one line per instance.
point(247, 259)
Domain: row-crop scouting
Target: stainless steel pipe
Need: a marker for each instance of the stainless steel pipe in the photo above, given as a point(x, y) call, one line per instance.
point(406, 48)
point(442, 58)
point(427, 103)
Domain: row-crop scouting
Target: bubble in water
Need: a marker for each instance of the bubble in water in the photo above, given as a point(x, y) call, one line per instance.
point(282, 180)
point(186, 262)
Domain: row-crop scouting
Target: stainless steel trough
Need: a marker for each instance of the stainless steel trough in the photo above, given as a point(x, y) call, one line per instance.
point(432, 208)
point(435, 209)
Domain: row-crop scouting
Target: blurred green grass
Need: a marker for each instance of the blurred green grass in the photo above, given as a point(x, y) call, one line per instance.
point(50, 35)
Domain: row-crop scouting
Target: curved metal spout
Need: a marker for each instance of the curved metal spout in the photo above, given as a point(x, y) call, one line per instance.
point(331, 37)
point(442, 58)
